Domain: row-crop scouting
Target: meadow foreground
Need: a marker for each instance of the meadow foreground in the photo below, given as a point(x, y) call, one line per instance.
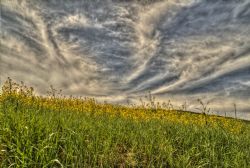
point(57, 131)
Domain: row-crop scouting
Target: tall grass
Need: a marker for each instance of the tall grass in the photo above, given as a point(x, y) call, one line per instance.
point(57, 131)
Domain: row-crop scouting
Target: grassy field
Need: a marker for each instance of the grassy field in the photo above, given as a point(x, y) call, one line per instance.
point(57, 131)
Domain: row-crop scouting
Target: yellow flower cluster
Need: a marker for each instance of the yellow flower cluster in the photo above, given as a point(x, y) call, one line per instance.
point(24, 96)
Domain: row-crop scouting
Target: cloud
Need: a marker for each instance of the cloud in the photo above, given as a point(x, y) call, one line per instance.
point(179, 49)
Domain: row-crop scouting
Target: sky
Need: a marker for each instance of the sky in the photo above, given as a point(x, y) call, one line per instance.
point(119, 51)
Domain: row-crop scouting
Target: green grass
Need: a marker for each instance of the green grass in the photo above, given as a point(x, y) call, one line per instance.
point(32, 136)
